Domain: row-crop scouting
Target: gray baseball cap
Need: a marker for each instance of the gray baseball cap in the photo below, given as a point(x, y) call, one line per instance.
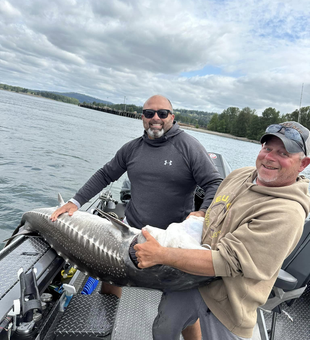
point(295, 137)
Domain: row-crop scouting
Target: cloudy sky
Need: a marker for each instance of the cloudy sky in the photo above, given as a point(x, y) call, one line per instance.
point(201, 54)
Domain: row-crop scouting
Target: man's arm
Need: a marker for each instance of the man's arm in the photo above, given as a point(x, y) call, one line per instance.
point(110, 172)
point(204, 172)
point(210, 190)
point(192, 261)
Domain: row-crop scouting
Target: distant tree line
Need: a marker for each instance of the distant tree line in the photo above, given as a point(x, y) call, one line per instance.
point(246, 123)
point(238, 122)
point(199, 119)
point(57, 97)
point(13, 88)
point(45, 94)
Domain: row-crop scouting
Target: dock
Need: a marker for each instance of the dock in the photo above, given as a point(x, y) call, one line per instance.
point(112, 111)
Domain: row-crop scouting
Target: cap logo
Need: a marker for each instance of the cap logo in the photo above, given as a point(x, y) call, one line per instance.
point(289, 124)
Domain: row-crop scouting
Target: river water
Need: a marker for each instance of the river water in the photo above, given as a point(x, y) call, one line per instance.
point(49, 147)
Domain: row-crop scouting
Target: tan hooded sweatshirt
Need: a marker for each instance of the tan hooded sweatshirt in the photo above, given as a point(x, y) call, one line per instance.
point(251, 230)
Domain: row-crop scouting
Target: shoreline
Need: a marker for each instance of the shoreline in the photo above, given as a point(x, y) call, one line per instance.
point(226, 135)
point(183, 126)
point(37, 96)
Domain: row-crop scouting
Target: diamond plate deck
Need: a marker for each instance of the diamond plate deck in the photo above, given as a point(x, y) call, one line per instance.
point(136, 313)
point(88, 317)
point(138, 309)
point(25, 255)
point(299, 328)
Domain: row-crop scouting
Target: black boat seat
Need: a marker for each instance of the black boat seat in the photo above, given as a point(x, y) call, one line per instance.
point(286, 281)
point(291, 283)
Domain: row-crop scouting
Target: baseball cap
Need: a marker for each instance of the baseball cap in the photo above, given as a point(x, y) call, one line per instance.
point(295, 137)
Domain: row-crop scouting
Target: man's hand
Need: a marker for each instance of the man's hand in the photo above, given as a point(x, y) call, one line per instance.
point(192, 261)
point(69, 207)
point(199, 213)
point(149, 252)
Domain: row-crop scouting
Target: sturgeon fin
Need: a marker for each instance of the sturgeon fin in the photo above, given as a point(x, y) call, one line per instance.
point(60, 200)
point(20, 230)
point(123, 227)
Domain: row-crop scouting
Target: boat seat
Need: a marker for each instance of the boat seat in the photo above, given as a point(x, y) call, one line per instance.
point(291, 283)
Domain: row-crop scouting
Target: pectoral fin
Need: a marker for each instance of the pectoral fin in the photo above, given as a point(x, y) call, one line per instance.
point(123, 227)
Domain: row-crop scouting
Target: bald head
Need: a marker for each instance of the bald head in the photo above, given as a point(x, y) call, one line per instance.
point(158, 102)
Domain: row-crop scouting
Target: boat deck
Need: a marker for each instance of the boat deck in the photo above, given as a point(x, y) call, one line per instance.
point(294, 321)
point(133, 314)
point(137, 310)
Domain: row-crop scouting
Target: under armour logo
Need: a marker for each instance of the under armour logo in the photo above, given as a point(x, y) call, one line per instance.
point(167, 162)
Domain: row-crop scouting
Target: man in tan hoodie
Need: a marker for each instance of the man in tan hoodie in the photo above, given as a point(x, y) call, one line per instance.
point(254, 222)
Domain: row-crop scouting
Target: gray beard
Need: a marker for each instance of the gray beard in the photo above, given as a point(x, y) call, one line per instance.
point(155, 134)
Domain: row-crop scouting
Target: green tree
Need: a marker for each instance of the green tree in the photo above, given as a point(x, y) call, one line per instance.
point(292, 116)
point(243, 122)
point(270, 116)
point(213, 124)
point(233, 113)
point(303, 114)
point(255, 131)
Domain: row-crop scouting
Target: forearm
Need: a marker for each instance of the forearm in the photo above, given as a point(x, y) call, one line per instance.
point(210, 191)
point(91, 188)
point(192, 261)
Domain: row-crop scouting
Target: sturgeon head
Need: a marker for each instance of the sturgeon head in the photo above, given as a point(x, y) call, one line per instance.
point(100, 248)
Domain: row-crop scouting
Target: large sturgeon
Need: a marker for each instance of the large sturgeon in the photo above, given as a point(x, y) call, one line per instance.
point(100, 247)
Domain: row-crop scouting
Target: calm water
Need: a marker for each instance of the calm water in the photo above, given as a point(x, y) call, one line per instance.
point(48, 147)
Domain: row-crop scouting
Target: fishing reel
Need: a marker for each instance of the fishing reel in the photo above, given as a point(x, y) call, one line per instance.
point(107, 200)
point(111, 206)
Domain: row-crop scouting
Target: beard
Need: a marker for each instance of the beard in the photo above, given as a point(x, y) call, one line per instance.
point(267, 179)
point(155, 133)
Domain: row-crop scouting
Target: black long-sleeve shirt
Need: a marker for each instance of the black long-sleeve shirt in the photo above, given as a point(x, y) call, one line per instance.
point(163, 173)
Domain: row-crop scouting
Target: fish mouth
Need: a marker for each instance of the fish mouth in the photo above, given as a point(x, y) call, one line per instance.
point(132, 252)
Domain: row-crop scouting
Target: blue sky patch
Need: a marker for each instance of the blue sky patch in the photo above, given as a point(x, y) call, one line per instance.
point(210, 70)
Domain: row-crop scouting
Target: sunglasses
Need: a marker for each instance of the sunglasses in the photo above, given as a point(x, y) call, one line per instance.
point(162, 113)
point(290, 133)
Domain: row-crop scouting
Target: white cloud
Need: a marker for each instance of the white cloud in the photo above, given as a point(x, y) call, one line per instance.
point(133, 48)
point(7, 11)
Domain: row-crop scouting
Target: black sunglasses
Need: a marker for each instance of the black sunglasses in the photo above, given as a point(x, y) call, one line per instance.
point(290, 133)
point(162, 113)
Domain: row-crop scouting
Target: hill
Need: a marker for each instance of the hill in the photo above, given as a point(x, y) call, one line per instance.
point(83, 98)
